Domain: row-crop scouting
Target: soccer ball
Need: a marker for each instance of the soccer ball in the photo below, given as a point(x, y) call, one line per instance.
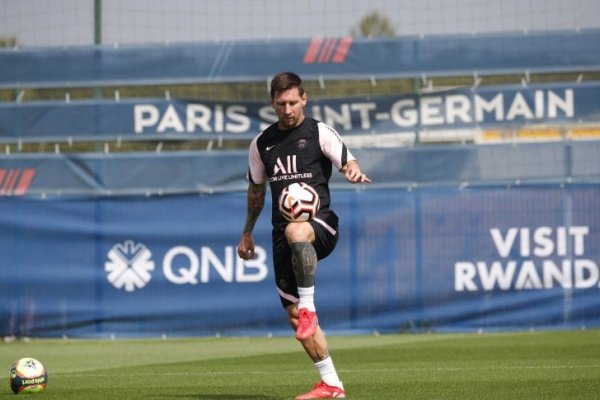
point(28, 375)
point(299, 202)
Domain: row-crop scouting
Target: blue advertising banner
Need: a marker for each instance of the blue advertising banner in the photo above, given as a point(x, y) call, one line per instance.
point(130, 266)
point(428, 259)
point(329, 58)
point(466, 108)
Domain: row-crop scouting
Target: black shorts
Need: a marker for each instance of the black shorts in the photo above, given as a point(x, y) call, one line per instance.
point(325, 226)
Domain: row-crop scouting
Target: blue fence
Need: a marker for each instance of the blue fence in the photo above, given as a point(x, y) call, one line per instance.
point(145, 174)
point(430, 259)
point(331, 58)
point(460, 238)
point(447, 238)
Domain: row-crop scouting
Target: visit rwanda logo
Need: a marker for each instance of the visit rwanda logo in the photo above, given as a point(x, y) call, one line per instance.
point(129, 265)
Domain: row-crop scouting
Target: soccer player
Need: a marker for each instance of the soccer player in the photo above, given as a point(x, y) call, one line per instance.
point(298, 148)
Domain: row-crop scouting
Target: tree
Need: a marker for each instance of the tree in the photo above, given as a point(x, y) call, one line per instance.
point(8, 41)
point(373, 25)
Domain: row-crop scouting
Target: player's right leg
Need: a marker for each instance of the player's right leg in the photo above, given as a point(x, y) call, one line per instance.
point(300, 237)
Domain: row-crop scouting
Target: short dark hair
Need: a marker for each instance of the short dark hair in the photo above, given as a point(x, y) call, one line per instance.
point(284, 81)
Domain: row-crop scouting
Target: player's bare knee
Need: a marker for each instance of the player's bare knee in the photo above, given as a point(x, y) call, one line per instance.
point(299, 232)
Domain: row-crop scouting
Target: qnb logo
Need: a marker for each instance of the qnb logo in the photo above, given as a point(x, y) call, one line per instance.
point(330, 50)
point(129, 265)
point(15, 182)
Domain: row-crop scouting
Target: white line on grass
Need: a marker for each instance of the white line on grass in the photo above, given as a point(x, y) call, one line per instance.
point(377, 370)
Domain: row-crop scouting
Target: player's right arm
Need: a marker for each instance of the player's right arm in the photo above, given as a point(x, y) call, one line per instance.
point(256, 202)
point(257, 189)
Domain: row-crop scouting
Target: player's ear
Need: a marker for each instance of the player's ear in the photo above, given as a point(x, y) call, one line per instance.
point(304, 99)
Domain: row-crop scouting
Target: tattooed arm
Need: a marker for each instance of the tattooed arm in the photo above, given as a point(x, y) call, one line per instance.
point(256, 202)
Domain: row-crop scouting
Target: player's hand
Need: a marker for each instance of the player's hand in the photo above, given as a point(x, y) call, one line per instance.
point(246, 247)
point(353, 173)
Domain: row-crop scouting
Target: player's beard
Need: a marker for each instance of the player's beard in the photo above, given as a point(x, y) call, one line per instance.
point(290, 121)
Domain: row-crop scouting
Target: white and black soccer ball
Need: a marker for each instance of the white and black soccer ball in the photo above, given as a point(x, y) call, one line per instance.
point(28, 375)
point(299, 202)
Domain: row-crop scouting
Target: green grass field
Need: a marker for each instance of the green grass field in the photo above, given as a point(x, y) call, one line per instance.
point(539, 365)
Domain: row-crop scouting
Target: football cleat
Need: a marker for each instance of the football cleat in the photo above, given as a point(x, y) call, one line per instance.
point(307, 324)
point(323, 391)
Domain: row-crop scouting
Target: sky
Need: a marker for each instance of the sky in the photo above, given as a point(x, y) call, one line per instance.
point(71, 22)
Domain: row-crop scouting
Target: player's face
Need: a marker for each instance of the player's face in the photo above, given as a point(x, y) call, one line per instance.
point(289, 106)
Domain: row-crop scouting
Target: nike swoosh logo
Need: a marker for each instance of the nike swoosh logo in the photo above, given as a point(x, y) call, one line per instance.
point(270, 147)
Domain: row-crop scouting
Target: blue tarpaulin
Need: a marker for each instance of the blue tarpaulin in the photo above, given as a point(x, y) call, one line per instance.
point(429, 259)
point(145, 174)
point(448, 238)
point(330, 58)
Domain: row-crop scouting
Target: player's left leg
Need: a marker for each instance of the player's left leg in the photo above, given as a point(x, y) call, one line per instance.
point(316, 347)
point(308, 243)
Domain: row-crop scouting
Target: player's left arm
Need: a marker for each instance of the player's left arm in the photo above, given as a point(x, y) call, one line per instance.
point(334, 148)
point(353, 173)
